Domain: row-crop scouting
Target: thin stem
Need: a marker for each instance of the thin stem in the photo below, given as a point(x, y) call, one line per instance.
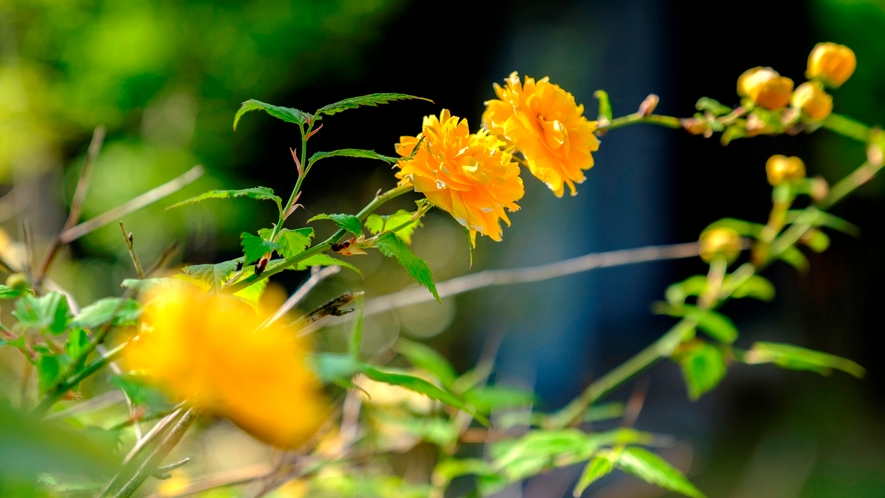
point(847, 127)
point(75, 379)
point(303, 173)
point(131, 247)
point(326, 244)
point(631, 119)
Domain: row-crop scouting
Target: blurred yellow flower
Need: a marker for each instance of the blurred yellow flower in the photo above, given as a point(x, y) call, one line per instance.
point(811, 98)
point(765, 87)
point(719, 242)
point(208, 348)
point(832, 63)
point(782, 168)
point(465, 174)
point(544, 123)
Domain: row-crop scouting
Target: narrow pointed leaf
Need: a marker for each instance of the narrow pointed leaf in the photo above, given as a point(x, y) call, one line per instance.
point(419, 386)
point(400, 222)
point(348, 222)
point(287, 114)
point(798, 358)
point(391, 246)
point(596, 468)
point(371, 100)
point(213, 275)
point(258, 193)
point(123, 313)
point(703, 366)
point(655, 470)
point(358, 153)
point(325, 260)
point(427, 359)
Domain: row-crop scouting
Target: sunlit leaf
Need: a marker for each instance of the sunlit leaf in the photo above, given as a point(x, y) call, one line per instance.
point(287, 114)
point(356, 153)
point(451, 468)
point(366, 100)
point(254, 247)
point(745, 228)
point(692, 286)
point(756, 287)
point(213, 275)
point(258, 193)
point(331, 367)
point(417, 385)
point(489, 398)
point(123, 312)
point(794, 257)
point(717, 325)
point(391, 246)
point(291, 242)
point(816, 240)
point(325, 260)
point(400, 222)
point(827, 220)
point(347, 222)
point(798, 358)
point(252, 295)
point(595, 469)
point(703, 366)
point(713, 106)
point(427, 359)
point(48, 312)
point(50, 369)
point(655, 470)
point(7, 292)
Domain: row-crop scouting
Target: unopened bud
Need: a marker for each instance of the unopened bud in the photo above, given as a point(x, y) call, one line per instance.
point(831, 63)
point(765, 87)
point(874, 155)
point(811, 98)
point(719, 242)
point(648, 105)
point(818, 188)
point(782, 168)
point(697, 126)
point(18, 281)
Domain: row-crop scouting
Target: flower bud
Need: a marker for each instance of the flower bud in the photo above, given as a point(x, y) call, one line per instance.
point(765, 87)
point(811, 98)
point(719, 241)
point(697, 126)
point(18, 281)
point(832, 63)
point(782, 168)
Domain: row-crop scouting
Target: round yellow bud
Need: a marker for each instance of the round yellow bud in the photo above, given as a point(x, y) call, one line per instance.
point(811, 98)
point(782, 168)
point(18, 281)
point(832, 63)
point(765, 87)
point(719, 242)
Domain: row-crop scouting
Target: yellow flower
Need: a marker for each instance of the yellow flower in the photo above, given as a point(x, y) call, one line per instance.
point(782, 168)
point(720, 241)
point(765, 87)
point(207, 348)
point(811, 98)
point(465, 174)
point(832, 63)
point(544, 123)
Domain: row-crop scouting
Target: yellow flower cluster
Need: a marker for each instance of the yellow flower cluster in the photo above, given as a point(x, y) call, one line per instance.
point(780, 169)
point(473, 176)
point(828, 65)
point(463, 173)
point(210, 349)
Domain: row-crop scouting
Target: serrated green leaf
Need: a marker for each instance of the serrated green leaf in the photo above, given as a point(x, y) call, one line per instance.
point(490, 398)
point(347, 222)
point(756, 287)
point(254, 247)
point(391, 246)
point(798, 358)
point(49, 371)
point(140, 392)
point(713, 106)
point(252, 294)
point(7, 292)
point(291, 242)
point(332, 367)
point(703, 366)
point(213, 275)
point(123, 312)
point(655, 470)
point(76, 343)
point(794, 257)
point(677, 293)
point(716, 325)
point(400, 222)
point(49, 312)
point(355, 153)
point(257, 193)
point(371, 100)
point(325, 260)
point(596, 468)
point(419, 386)
point(287, 114)
point(745, 228)
point(427, 359)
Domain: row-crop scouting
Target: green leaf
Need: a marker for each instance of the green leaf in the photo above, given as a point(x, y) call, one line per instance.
point(490, 398)
point(357, 153)
point(816, 240)
point(347, 222)
point(291, 242)
point(692, 286)
point(213, 275)
point(254, 247)
point(325, 260)
point(655, 470)
point(798, 358)
point(143, 285)
point(419, 386)
point(252, 294)
point(428, 359)
point(140, 392)
point(756, 287)
point(703, 366)
point(76, 344)
point(7, 292)
point(49, 371)
point(794, 257)
point(716, 325)
point(742, 227)
point(123, 312)
point(400, 222)
point(391, 246)
point(332, 367)
point(713, 106)
point(258, 193)
point(605, 106)
point(287, 114)
point(371, 100)
point(604, 411)
point(356, 333)
point(49, 312)
point(450, 468)
point(596, 468)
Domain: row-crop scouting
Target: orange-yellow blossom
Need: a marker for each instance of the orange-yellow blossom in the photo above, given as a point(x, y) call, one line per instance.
point(465, 174)
point(811, 98)
point(544, 123)
point(207, 348)
point(719, 241)
point(832, 63)
point(765, 87)
point(781, 168)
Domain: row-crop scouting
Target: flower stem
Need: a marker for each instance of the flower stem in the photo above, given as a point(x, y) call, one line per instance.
point(65, 386)
point(847, 127)
point(631, 119)
point(326, 244)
